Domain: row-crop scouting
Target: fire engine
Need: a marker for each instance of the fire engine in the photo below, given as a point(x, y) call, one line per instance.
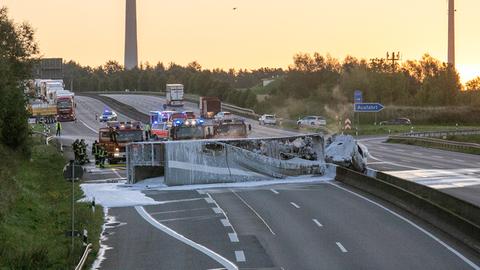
point(191, 129)
point(115, 137)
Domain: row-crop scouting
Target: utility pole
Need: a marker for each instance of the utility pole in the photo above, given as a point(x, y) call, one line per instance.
point(394, 58)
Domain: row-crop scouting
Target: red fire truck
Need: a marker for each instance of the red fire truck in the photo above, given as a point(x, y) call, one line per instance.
point(115, 137)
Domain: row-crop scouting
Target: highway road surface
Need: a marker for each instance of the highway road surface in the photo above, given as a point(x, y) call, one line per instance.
point(321, 225)
point(454, 173)
point(145, 104)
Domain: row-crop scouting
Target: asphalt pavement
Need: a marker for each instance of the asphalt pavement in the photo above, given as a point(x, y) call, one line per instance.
point(301, 226)
point(145, 104)
point(454, 173)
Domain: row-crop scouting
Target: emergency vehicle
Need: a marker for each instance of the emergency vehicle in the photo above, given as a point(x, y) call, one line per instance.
point(158, 125)
point(115, 137)
point(191, 129)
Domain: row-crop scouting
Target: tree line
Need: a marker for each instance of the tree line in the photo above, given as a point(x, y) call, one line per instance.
point(314, 80)
point(17, 55)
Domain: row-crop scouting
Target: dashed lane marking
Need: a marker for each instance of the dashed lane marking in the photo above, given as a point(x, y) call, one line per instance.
point(274, 191)
point(295, 205)
point(317, 222)
point(217, 210)
point(341, 247)
point(240, 256)
point(233, 237)
point(209, 200)
point(225, 222)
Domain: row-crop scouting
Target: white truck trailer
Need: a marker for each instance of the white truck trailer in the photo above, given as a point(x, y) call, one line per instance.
point(174, 95)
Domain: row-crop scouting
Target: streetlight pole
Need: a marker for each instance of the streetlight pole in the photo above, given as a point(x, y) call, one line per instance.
point(72, 164)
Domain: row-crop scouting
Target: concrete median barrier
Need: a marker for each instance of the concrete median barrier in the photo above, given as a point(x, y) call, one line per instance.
point(423, 202)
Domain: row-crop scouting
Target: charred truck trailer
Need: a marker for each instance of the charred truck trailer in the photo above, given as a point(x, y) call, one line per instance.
point(209, 107)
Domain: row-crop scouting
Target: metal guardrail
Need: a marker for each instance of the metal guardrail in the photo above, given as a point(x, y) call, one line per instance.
point(438, 142)
point(87, 251)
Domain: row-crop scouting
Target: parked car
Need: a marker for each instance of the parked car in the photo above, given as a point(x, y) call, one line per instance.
point(312, 121)
point(397, 121)
point(223, 116)
point(267, 119)
point(108, 116)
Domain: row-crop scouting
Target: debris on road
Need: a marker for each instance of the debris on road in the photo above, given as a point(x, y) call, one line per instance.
point(344, 151)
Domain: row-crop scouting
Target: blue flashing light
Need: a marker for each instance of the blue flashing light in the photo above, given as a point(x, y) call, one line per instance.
point(156, 122)
point(200, 121)
point(178, 122)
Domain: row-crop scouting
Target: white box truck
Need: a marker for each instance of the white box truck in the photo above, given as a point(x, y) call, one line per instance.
point(174, 95)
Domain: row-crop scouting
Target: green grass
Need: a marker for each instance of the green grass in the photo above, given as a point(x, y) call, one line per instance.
point(465, 138)
point(35, 203)
point(37, 127)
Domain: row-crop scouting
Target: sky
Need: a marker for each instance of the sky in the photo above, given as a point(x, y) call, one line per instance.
point(259, 33)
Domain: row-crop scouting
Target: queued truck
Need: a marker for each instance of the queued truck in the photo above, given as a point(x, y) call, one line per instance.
point(209, 107)
point(174, 95)
point(52, 102)
point(65, 105)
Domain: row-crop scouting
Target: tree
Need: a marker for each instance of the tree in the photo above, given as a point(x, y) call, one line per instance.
point(17, 49)
point(473, 84)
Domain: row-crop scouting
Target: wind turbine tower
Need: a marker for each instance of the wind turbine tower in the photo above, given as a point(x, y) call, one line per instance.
point(131, 51)
point(451, 32)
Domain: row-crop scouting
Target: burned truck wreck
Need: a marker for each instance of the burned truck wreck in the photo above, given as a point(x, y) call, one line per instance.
point(226, 161)
point(344, 151)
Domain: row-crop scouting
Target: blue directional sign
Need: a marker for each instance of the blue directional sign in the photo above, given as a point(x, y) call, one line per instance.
point(358, 96)
point(368, 107)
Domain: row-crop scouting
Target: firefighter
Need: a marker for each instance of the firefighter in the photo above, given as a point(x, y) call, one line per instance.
point(95, 151)
point(83, 152)
point(113, 134)
point(58, 127)
point(101, 156)
point(148, 131)
point(75, 146)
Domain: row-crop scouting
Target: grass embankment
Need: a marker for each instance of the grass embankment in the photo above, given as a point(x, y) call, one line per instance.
point(35, 212)
point(466, 150)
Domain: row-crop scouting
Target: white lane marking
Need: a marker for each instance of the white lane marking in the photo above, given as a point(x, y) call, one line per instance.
point(212, 254)
point(217, 210)
point(341, 247)
point(295, 205)
point(233, 237)
point(274, 191)
point(223, 212)
point(459, 160)
point(209, 200)
point(255, 212)
point(451, 249)
point(317, 222)
point(395, 164)
point(117, 174)
point(181, 200)
point(201, 191)
point(89, 127)
point(437, 157)
point(225, 222)
point(240, 256)
point(400, 150)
